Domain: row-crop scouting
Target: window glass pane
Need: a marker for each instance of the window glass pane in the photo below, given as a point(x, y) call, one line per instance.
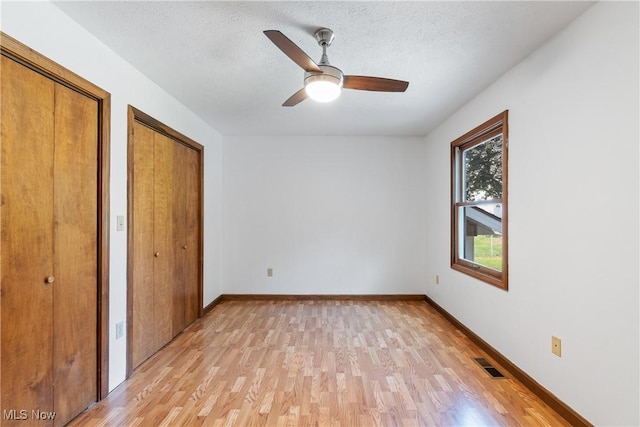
point(482, 165)
point(481, 238)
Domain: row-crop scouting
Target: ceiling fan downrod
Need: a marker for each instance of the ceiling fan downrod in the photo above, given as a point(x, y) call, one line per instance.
point(325, 37)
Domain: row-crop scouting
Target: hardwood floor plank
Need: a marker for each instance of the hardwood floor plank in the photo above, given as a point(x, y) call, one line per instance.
point(321, 363)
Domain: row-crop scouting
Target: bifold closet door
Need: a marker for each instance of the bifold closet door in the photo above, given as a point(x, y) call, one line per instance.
point(142, 173)
point(164, 250)
point(165, 253)
point(179, 243)
point(49, 246)
point(192, 235)
point(27, 238)
point(75, 228)
point(153, 248)
point(186, 173)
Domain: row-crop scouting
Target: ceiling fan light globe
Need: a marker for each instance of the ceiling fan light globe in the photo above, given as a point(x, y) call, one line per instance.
point(322, 90)
point(324, 87)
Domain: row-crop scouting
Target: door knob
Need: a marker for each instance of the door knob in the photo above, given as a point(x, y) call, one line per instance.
point(157, 254)
point(184, 247)
point(50, 279)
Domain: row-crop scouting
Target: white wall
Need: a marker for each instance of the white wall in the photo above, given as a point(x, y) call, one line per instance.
point(573, 216)
point(330, 215)
point(43, 27)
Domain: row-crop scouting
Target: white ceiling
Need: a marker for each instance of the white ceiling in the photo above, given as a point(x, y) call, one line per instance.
point(213, 57)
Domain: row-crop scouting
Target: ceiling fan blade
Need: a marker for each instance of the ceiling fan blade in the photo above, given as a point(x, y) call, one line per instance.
point(374, 83)
point(292, 50)
point(296, 98)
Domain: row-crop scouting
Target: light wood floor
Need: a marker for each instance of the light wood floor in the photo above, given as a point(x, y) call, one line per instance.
point(319, 363)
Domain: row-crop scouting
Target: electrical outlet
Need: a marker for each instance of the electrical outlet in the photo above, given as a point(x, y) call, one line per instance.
point(269, 272)
point(119, 330)
point(556, 346)
point(437, 279)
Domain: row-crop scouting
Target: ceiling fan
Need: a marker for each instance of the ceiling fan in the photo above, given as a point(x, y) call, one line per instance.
point(322, 81)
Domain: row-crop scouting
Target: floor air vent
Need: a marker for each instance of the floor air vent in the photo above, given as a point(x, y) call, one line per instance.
point(491, 370)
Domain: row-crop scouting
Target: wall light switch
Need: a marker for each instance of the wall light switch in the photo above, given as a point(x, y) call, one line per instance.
point(120, 223)
point(119, 330)
point(269, 272)
point(437, 279)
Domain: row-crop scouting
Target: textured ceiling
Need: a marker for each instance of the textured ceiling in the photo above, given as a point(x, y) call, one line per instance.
point(214, 58)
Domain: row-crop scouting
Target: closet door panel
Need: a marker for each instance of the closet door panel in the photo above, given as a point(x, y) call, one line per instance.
point(163, 240)
point(27, 241)
point(75, 253)
point(142, 176)
point(179, 233)
point(192, 235)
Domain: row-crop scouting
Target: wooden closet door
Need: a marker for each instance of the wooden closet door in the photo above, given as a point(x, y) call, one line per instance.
point(153, 251)
point(75, 253)
point(180, 243)
point(27, 240)
point(49, 246)
point(193, 223)
point(164, 254)
point(142, 250)
point(186, 220)
point(165, 201)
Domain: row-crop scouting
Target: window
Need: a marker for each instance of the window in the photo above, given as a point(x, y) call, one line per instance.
point(479, 202)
